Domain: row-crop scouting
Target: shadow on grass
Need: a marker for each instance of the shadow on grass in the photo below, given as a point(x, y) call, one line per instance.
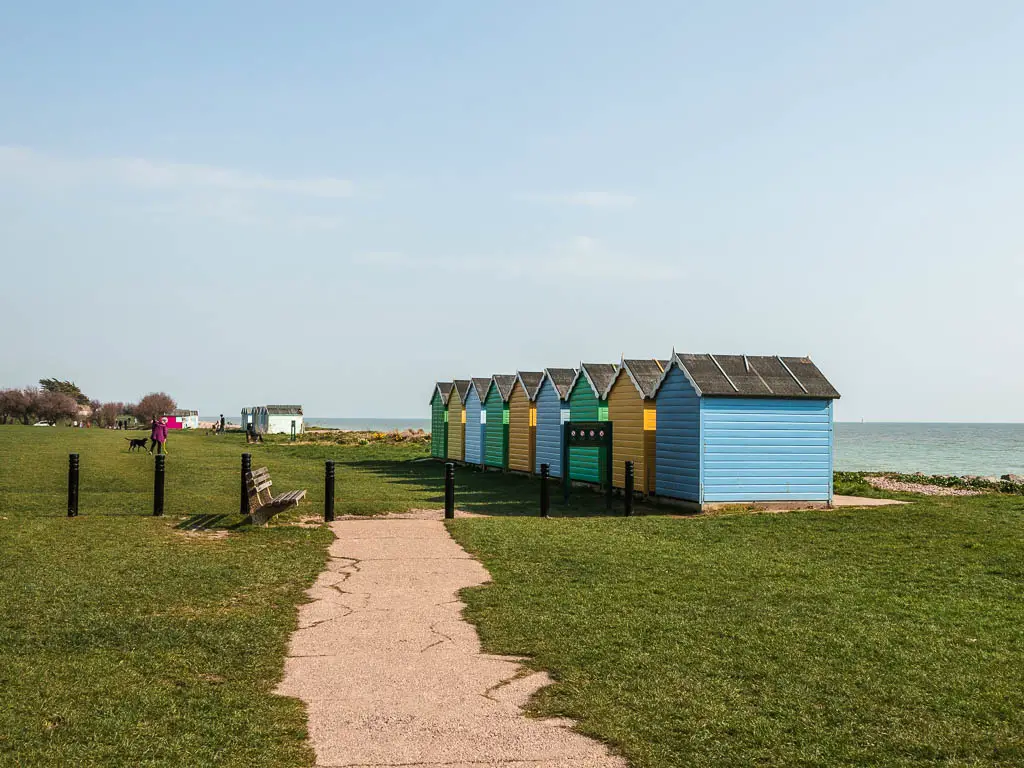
point(487, 492)
point(212, 522)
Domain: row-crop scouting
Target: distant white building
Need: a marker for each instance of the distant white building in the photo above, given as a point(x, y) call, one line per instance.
point(183, 419)
point(273, 419)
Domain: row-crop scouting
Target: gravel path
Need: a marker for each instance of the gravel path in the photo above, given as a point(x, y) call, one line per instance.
point(391, 673)
point(888, 484)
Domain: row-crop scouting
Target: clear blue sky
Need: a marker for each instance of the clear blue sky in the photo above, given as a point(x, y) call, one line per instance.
point(338, 203)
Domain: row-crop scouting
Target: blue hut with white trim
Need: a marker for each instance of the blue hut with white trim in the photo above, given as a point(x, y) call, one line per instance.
point(552, 403)
point(740, 429)
point(474, 420)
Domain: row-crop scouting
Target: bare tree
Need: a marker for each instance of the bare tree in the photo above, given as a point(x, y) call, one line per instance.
point(106, 415)
point(31, 400)
point(153, 406)
point(56, 406)
point(15, 405)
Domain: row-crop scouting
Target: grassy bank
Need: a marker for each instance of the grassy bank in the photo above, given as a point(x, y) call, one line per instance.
point(890, 636)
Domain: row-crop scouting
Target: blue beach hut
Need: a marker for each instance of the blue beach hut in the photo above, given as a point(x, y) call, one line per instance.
point(738, 428)
point(552, 403)
point(474, 420)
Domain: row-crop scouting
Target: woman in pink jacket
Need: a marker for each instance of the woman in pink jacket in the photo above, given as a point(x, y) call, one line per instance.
point(158, 435)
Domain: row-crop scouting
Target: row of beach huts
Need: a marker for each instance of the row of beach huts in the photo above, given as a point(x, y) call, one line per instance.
point(699, 428)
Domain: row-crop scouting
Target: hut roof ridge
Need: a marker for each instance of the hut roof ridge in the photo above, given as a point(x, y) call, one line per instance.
point(462, 388)
point(443, 388)
point(531, 381)
point(598, 375)
point(284, 410)
point(504, 382)
point(481, 385)
point(561, 379)
point(754, 376)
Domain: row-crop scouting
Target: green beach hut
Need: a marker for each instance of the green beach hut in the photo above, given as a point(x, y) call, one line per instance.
point(496, 420)
point(585, 404)
point(439, 419)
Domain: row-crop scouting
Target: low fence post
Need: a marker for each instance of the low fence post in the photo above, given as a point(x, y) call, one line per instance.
point(243, 503)
point(545, 499)
point(72, 485)
point(449, 491)
point(329, 491)
point(158, 484)
point(629, 488)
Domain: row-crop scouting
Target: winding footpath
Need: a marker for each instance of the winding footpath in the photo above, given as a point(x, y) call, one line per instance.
point(393, 676)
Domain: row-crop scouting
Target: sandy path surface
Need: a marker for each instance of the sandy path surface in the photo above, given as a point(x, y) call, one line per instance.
point(393, 676)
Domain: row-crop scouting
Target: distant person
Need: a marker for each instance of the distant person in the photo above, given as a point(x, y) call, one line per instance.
point(158, 435)
point(222, 423)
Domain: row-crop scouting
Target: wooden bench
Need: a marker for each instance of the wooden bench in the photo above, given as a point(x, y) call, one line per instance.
point(263, 505)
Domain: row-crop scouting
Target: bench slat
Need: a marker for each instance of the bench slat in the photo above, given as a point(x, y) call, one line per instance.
point(291, 497)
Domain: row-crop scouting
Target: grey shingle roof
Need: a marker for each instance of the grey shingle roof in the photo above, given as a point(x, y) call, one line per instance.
point(504, 382)
point(562, 378)
point(462, 387)
point(599, 374)
point(285, 410)
point(181, 412)
point(646, 374)
point(444, 388)
point(757, 376)
point(481, 386)
point(531, 382)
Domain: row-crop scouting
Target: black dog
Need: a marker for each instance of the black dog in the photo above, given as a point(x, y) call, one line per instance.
point(136, 442)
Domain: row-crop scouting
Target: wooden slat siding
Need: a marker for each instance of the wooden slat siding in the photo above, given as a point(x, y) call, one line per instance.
point(586, 464)
point(438, 433)
point(677, 458)
point(474, 430)
point(551, 413)
point(765, 449)
point(456, 426)
point(496, 432)
point(520, 445)
point(629, 439)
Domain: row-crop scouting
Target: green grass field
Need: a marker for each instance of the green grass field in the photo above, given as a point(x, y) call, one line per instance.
point(890, 636)
point(126, 642)
point(884, 637)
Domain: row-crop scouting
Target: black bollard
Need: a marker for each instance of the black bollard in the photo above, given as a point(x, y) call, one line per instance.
point(545, 499)
point(629, 488)
point(72, 485)
point(329, 491)
point(243, 504)
point(449, 491)
point(158, 484)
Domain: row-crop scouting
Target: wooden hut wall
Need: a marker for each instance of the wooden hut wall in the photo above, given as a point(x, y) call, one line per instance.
point(456, 426)
point(521, 424)
point(633, 434)
point(496, 431)
point(586, 464)
point(438, 426)
point(474, 429)
point(548, 433)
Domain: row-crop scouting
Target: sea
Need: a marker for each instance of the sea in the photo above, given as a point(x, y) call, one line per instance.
point(935, 449)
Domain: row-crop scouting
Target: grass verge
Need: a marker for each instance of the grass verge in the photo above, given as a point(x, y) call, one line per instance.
point(887, 636)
